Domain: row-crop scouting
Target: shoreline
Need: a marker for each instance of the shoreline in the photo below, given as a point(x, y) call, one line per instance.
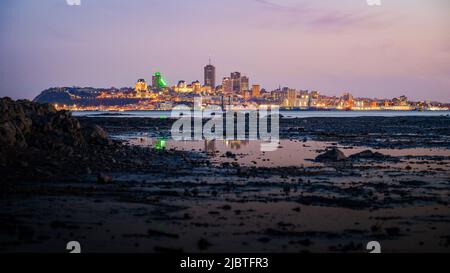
point(136, 199)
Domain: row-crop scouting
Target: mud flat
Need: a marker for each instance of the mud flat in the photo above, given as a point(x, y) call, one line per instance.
point(388, 180)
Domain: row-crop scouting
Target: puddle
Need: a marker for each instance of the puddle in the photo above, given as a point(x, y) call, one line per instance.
point(289, 153)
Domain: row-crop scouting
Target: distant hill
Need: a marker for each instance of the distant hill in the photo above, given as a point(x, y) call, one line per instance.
point(66, 95)
point(86, 96)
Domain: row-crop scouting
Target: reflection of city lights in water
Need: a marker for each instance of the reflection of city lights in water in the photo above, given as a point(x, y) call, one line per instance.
point(210, 145)
point(236, 144)
point(160, 144)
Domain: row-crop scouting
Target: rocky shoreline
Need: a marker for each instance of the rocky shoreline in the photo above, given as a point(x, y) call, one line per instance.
point(41, 144)
point(375, 132)
point(66, 179)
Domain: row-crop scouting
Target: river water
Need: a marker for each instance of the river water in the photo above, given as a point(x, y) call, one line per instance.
point(287, 114)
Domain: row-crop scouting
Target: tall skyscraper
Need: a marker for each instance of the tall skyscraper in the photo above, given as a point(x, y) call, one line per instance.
point(210, 76)
point(244, 84)
point(236, 82)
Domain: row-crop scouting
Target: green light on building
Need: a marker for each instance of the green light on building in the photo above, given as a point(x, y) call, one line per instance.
point(159, 80)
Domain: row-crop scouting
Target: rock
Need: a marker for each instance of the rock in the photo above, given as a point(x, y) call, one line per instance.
point(95, 134)
point(7, 134)
point(104, 179)
point(230, 154)
point(368, 155)
point(393, 231)
point(332, 155)
point(225, 207)
point(203, 244)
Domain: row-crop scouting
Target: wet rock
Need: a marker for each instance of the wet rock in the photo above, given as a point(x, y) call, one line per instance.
point(368, 155)
point(203, 244)
point(225, 207)
point(230, 154)
point(332, 155)
point(393, 231)
point(95, 134)
point(104, 179)
point(162, 249)
point(158, 233)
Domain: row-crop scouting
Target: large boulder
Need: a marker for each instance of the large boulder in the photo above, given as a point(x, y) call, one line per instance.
point(95, 134)
point(24, 123)
point(333, 155)
point(368, 155)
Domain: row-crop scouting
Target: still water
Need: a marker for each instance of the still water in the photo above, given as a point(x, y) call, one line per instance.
point(287, 114)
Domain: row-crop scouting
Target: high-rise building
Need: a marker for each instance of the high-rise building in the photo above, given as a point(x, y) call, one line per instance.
point(244, 84)
point(227, 85)
point(236, 82)
point(256, 90)
point(158, 81)
point(210, 76)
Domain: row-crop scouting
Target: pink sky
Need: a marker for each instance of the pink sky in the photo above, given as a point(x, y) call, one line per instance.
point(402, 47)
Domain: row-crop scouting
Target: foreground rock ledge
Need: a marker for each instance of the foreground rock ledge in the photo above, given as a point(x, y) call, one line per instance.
point(37, 142)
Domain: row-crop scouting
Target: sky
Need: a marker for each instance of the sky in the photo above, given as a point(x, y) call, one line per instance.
point(399, 48)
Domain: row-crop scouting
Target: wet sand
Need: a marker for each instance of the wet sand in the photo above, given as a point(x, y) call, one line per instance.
point(237, 199)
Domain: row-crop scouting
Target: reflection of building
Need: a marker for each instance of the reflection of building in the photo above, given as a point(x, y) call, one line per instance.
point(210, 76)
point(236, 144)
point(210, 147)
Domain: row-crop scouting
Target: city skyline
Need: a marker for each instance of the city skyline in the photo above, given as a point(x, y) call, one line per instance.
point(402, 47)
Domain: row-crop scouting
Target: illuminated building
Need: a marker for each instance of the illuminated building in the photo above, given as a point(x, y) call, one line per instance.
point(256, 90)
point(158, 81)
point(246, 94)
point(347, 101)
point(140, 86)
point(314, 94)
point(182, 87)
point(227, 85)
point(236, 82)
point(210, 76)
point(244, 84)
point(290, 97)
point(196, 87)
